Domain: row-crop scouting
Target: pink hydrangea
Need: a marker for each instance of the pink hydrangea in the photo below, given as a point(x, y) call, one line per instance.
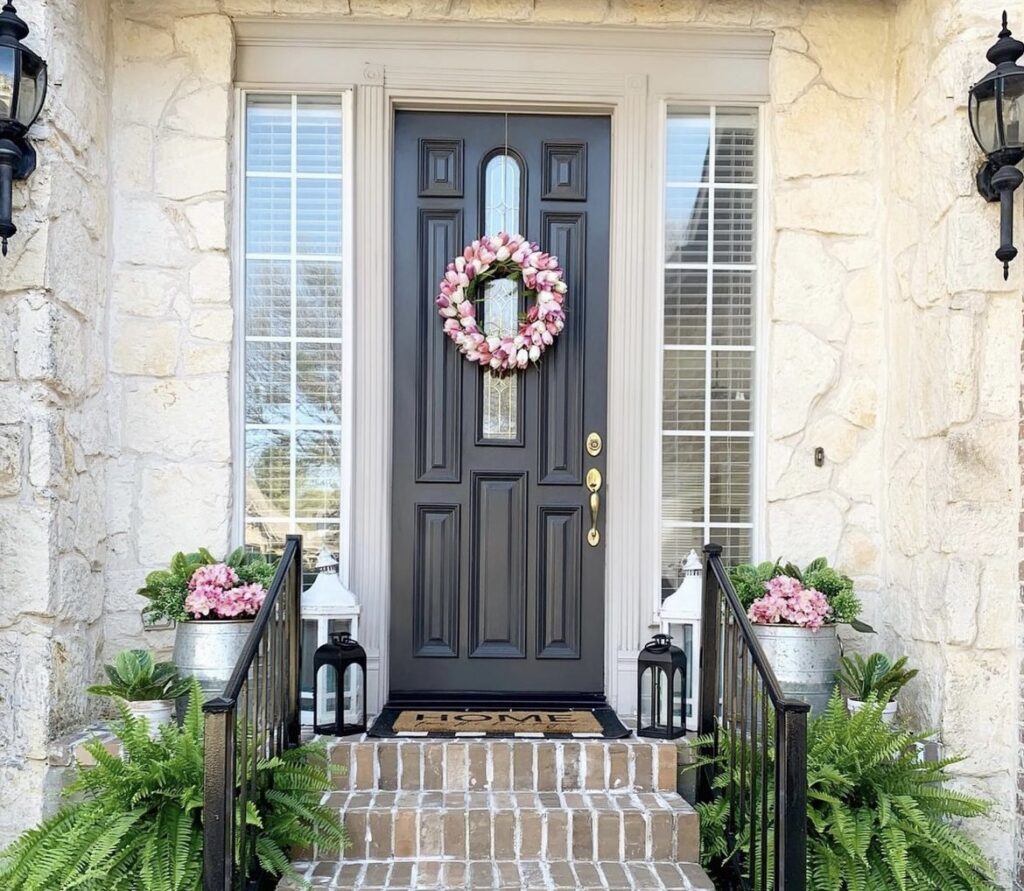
point(215, 592)
point(788, 602)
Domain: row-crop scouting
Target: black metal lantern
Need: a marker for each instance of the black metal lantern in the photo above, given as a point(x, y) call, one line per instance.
point(339, 690)
point(996, 110)
point(660, 690)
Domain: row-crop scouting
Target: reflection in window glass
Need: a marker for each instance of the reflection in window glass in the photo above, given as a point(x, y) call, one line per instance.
point(711, 205)
point(293, 303)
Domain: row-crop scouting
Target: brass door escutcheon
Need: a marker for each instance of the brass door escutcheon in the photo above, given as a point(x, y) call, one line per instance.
point(594, 482)
point(594, 444)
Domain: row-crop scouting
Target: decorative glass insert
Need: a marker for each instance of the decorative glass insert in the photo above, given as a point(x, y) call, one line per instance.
point(710, 275)
point(502, 213)
point(293, 321)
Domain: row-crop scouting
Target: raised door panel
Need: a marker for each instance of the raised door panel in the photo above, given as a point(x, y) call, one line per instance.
point(439, 405)
point(497, 594)
point(559, 564)
point(435, 617)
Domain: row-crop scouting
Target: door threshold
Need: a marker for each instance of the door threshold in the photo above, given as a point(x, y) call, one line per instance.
point(475, 699)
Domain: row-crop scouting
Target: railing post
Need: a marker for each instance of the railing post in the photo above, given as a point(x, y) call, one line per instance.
point(294, 626)
point(791, 797)
point(708, 690)
point(219, 795)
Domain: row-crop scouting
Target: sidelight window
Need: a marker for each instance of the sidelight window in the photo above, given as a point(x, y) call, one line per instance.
point(293, 280)
point(710, 279)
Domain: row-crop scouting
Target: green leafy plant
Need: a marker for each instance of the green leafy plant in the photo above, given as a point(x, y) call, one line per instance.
point(166, 589)
point(135, 677)
point(877, 814)
point(134, 823)
point(749, 581)
point(876, 676)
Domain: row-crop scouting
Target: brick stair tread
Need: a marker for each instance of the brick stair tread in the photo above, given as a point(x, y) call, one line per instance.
point(507, 875)
point(526, 825)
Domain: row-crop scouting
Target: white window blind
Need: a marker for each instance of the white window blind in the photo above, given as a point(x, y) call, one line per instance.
point(293, 292)
point(711, 200)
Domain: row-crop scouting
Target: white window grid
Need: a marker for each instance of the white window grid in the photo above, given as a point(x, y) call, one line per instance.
point(710, 266)
point(293, 521)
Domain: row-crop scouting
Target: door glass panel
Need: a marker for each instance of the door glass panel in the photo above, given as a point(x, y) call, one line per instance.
point(502, 178)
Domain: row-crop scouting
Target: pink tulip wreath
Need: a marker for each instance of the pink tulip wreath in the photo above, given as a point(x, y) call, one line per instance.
point(503, 256)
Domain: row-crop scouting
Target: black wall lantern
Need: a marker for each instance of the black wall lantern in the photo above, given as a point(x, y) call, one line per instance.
point(339, 690)
point(660, 691)
point(996, 109)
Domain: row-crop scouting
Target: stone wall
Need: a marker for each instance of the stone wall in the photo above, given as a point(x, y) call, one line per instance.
point(54, 437)
point(952, 488)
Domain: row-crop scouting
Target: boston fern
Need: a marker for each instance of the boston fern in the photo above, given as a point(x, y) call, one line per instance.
point(166, 589)
point(878, 817)
point(134, 823)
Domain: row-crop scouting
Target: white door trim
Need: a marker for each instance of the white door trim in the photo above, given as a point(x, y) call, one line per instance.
point(627, 73)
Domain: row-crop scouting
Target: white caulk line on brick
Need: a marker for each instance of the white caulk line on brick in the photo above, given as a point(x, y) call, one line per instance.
point(530, 734)
point(588, 734)
point(412, 733)
point(463, 734)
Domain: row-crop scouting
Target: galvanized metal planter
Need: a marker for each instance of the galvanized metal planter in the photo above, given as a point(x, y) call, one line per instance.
point(209, 649)
point(804, 661)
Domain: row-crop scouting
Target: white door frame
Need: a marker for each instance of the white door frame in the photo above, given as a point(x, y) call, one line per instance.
point(627, 73)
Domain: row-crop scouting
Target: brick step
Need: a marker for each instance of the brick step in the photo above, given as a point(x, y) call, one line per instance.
point(554, 826)
point(508, 875)
point(507, 765)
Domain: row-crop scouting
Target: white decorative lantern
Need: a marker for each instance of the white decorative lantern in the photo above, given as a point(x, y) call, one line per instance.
point(680, 617)
point(328, 608)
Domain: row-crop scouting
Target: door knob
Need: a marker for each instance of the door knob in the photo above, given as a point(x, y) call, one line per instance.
point(594, 482)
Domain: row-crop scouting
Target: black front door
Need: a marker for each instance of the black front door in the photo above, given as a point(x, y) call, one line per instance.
point(496, 589)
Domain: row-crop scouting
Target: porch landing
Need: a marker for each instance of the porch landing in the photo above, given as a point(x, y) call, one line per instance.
point(511, 814)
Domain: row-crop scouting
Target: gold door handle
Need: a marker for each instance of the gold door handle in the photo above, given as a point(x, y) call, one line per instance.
point(594, 485)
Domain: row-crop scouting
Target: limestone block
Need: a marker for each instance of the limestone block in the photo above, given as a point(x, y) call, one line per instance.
point(210, 279)
point(863, 298)
point(207, 358)
point(850, 41)
point(802, 529)
point(860, 477)
point(999, 592)
point(859, 553)
point(907, 479)
point(976, 465)
point(519, 10)
point(145, 346)
point(961, 595)
point(808, 284)
point(183, 506)
point(842, 205)
point(133, 148)
point(212, 323)
point(139, 41)
point(209, 40)
point(799, 476)
point(187, 166)
point(729, 13)
point(808, 130)
point(998, 390)
point(145, 234)
point(974, 237)
point(204, 112)
point(121, 591)
point(25, 663)
point(141, 291)
point(791, 74)
point(51, 347)
point(122, 487)
point(854, 253)
point(835, 434)
point(580, 11)
point(143, 89)
point(389, 8)
point(803, 368)
point(209, 224)
point(178, 419)
point(979, 686)
point(11, 446)
point(857, 401)
point(982, 528)
point(51, 457)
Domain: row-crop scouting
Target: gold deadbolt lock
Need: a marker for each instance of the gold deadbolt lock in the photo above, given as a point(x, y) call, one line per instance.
point(594, 444)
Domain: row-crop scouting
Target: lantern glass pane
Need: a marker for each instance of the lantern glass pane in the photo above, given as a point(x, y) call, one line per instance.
point(660, 699)
point(8, 74)
point(32, 89)
point(1012, 97)
point(646, 693)
point(352, 700)
point(679, 707)
point(327, 695)
point(309, 644)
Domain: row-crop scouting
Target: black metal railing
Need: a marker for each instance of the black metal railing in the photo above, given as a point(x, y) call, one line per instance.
point(255, 718)
point(758, 764)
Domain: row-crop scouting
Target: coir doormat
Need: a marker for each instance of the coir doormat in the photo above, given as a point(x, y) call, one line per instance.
point(565, 723)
